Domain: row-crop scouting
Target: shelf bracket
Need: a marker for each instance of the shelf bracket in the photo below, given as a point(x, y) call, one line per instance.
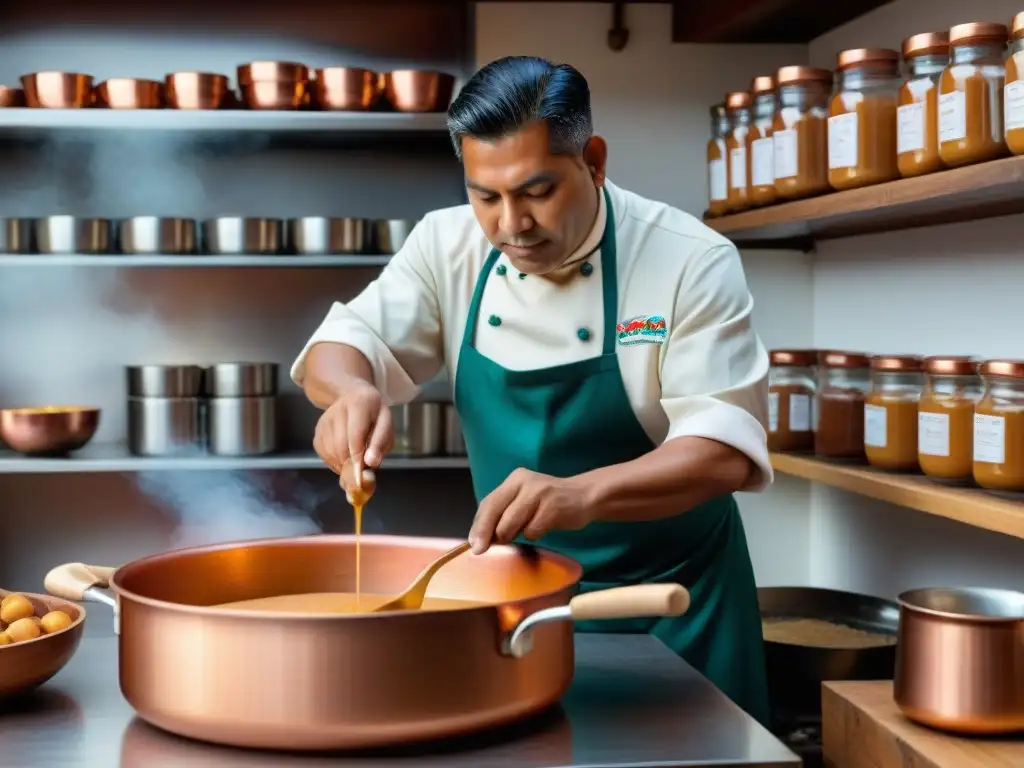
point(618, 35)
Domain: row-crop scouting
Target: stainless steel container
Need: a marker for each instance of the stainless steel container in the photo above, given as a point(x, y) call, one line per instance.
point(164, 380)
point(242, 426)
point(16, 236)
point(239, 235)
point(454, 442)
point(316, 235)
point(152, 234)
point(164, 426)
point(389, 235)
point(69, 234)
point(419, 429)
point(241, 380)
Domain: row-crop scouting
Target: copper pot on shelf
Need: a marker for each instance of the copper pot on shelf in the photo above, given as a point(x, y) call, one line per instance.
point(440, 673)
point(57, 90)
point(11, 97)
point(48, 431)
point(418, 90)
point(275, 94)
point(195, 90)
point(272, 71)
point(349, 89)
point(130, 93)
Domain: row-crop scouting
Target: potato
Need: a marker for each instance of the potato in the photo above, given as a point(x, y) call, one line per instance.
point(16, 607)
point(23, 629)
point(55, 621)
point(5, 639)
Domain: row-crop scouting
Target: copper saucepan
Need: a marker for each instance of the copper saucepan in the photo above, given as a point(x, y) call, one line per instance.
point(286, 681)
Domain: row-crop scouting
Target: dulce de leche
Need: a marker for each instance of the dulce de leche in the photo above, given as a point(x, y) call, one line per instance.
point(1013, 91)
point(890, 412)
point(737, 107)
point(843, 381)
point(945, 417)
point(917, 130)
point(760, 147)
point(791, 390)
point(999, 426)
point(800, 131)
point(718, 178)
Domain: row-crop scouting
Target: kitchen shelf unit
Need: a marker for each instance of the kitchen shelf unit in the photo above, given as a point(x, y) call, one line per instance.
point(971, 193)
point(116, 458)
point(972, 506)
point(192, 260)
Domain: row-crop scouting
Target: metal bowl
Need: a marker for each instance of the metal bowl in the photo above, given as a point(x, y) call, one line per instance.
point(241, 380)
point(16, 236)
point(389, 235)
point(417, 90)
point(69, 235)
point(239, 235)
point(130, 93)
point(275, 94)
point(11, 97)
point(57, 90)
point(152, 234)
point(27, 665)
point(164, 380)
point(317, 235)
point(195, 90)
point(48, 431)
point(272, 71)
point(347, 89)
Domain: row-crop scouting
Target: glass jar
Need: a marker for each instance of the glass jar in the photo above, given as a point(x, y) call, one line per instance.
point(800, 132)
point(791, 389)
point(945, 418)
point(862, 119)
point(843, 380)
point(999, 427)
point(971, 95)
point(890, 412)
point(1013, 91)
point(760, 149)
point(737, 107)
point(917, 119)
point(718, 185)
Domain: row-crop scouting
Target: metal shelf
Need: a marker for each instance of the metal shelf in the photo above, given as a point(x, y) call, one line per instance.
point(128, 260)
point(115, 458)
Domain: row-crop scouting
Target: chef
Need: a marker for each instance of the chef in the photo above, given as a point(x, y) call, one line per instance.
point(609, 382)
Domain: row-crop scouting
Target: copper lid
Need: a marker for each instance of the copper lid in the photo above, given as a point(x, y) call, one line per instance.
point(1014, 369)
point(978, 32)
point(1017, 26)
point(803, 358)
point(925, 43)
point(951, 365)
point(762, 84)
point(908, 363)
point(737, 100)
point(858, 57)
point(788, 75)
point(834, 358)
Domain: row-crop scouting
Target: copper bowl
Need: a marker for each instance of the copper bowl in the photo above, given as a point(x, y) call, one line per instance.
point(195, 90)
point(11, 97)
point(275, 94)
point(347, 89)
point(417, 90)
point(48, 431)
point(272, 71)
point(129, 93)
point(57, 90)
point(27, 665)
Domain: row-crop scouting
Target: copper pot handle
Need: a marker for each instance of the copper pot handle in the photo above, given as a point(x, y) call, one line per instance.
point(635, 602)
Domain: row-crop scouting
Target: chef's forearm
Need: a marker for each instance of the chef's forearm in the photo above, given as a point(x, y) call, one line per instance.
point(331, 370)
point(675, 477)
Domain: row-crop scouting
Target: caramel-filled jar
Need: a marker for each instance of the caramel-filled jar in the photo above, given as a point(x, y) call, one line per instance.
point(890, 412)
point(862, 119)
point(917, 119)
point(760, 148)
point(999, 427)
point(718, 184)
point(945, 417)
point(1013, 91)
point(843, 381)
point(971, 95)
point(791, 389)
point(800, 132)
point(737, 107)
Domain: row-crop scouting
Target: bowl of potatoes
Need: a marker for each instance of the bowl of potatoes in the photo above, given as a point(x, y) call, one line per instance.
point(38, 635)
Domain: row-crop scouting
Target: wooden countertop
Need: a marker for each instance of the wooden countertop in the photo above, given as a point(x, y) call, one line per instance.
point(862, 728)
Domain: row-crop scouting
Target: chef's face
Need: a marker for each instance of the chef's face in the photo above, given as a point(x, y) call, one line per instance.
point(534, 206)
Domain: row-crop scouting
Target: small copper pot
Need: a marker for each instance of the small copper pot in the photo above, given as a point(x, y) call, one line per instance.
point(11, 97)
point(960, 659)
point(274, 94)
point(272, 71)
point(129, 93)
point(54, 431)
point(57, 90)
point(195, 90)
point(416, 90)
point(347, 89)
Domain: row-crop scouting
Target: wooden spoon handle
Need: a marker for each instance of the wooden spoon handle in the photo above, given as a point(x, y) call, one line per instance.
point(634, 602)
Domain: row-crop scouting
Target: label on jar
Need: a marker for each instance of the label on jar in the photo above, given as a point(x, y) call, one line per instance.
point(784, 149)
point(799, 413)
point(1013, 106)
point(933, 434)
point(910, 128)
point(952, 116)
point(874, 426)
point(842, 141)
point(773, 411)
point(989, 439)
point(738, 168)
point(762, 163)
point(716, 179)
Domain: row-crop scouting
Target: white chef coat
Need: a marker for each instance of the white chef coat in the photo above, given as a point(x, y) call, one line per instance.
point(707, 378)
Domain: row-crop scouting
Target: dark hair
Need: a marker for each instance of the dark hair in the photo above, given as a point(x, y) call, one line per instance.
point(510, 93)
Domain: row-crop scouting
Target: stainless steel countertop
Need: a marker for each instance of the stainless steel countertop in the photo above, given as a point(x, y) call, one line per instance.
point(633, 703)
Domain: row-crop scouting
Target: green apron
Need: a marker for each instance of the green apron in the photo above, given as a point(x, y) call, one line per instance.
point(574, 418)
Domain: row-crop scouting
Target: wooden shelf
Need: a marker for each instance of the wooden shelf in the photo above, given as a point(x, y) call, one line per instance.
point(962, 194)
point(972, 506)
point(762, 21)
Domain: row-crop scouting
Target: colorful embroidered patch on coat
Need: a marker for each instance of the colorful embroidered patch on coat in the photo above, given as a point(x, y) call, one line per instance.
point(643, 329)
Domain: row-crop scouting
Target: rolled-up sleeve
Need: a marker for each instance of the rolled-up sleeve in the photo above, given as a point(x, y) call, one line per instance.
point(395, 322)
point(714, 369)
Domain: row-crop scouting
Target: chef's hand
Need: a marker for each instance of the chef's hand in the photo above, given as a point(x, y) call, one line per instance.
point(357, 424)
point(531, 504)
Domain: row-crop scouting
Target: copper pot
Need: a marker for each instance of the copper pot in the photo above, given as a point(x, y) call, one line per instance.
point(130, 93)
point(347, 88)
point(11, 97)
point(274, 94)
point(57, 90)
point(272, 71)
point(195, 90)
point(286, 681)
point(960, 659)
point(416, 90)
point(51, 431)
point(29, 664)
